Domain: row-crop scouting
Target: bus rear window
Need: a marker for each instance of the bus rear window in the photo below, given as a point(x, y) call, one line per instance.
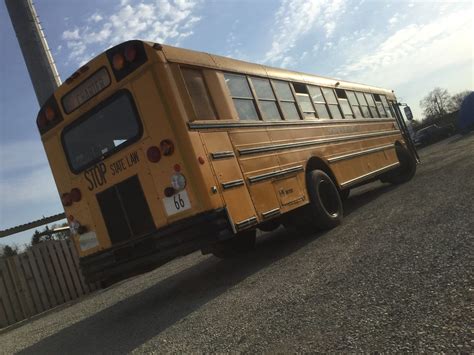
point(106, 129)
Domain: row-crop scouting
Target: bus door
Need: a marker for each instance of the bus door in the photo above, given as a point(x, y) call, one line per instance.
point(404, 129)
point(231, 181)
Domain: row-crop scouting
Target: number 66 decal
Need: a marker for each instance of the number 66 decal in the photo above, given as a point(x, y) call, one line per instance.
point(178, 201)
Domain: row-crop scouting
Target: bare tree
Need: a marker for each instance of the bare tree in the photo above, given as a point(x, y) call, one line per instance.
point(436, 103)
point(457, 99)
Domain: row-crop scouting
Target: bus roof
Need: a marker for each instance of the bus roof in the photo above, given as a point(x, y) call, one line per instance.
point(202, 59)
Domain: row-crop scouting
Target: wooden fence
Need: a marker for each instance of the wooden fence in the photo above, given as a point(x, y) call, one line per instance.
point(44, 277)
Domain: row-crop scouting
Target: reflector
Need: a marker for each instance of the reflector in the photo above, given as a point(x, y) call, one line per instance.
point(153, 154)
point(167, 147)
point(66, 199)
point(49, 113)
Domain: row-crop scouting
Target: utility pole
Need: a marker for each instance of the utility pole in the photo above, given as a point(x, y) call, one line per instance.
point(39, 61)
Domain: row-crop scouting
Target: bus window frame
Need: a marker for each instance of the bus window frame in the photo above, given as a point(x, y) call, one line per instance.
point(190, 98)
point(258, 99)
point(94, 110)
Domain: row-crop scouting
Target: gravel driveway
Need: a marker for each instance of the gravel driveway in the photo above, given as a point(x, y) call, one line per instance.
point(396, 276)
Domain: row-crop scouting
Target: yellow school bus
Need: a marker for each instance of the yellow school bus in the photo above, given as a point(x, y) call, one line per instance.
point(159, 151)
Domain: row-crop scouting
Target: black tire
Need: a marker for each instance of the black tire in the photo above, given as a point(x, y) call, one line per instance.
point(405, 171)
point(238, 244)
point(325, 209)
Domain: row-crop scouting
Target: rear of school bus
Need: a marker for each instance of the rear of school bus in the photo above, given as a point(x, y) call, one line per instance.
point(135, 190)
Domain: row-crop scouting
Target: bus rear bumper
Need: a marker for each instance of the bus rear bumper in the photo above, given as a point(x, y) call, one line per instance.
point(140, 255)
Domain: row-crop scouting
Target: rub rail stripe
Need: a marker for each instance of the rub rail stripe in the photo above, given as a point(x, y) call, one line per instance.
point(196, 125)
point(273, 147)
point(360, 153)
point(273, 174)
point(371, 174)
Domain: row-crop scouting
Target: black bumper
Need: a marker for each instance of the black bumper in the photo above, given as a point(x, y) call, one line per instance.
point(146, 253)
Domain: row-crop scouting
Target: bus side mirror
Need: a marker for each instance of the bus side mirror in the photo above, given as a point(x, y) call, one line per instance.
point(408, 113)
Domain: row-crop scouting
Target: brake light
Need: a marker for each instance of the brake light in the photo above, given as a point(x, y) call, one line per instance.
point(153, 154)
point(75, 195)
point(66, 199)
point(167, 147)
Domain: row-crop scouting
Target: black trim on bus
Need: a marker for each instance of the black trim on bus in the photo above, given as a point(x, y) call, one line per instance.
point(360, 153)
point(282, 146)
point(272, 213)
point(222, 155)
point(97, 93)
point(231, 184)
point(275, 174)
point(142, 254)
point(95, 109)
point(369, 175)
point(307, 122)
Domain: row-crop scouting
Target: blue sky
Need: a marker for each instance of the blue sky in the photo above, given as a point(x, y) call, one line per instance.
point(409, 46)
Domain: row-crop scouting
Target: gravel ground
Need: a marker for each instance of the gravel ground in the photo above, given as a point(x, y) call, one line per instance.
point(396, 276)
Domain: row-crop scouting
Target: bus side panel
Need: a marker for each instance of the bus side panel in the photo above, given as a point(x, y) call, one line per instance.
point(227, 171)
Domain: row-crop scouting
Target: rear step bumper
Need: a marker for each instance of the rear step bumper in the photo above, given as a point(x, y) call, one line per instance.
point(146, 253)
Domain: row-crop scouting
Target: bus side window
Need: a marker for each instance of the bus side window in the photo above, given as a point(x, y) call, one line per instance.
point(380, 108)
point(202, 104)
point(241, 96)
point(304, 101)
point(364, 106)
point(266, 99)
point(332, 102)
point(351, 96)
point(371, 102)
point(386, 105)
point(344, 103)
point(286, 100)
point(319, 101)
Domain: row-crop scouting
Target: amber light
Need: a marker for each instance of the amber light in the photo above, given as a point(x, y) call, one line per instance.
point(66, 199)
point(49, 113)
point(75, 195)
point(167, 147)
point(118, 61)
point(130, 53)
point(153, 154)
point(201, 160)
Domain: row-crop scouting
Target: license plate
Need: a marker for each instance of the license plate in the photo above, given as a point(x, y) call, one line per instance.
point(177, 203)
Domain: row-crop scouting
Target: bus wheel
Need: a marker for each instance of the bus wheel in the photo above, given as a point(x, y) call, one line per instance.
point(405, 171)
point(325, 208)
point(240, 243)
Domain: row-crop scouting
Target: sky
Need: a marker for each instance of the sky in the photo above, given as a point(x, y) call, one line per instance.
point(409, 46)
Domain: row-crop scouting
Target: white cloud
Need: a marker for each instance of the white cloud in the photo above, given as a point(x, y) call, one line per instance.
point(414, 51)
point(296, 18)
point(157, 20)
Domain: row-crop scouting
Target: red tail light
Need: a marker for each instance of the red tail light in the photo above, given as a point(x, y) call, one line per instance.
point(153, 154)
point(75, 195)
point(130, 53)
point(167, 147)
point(66, 199)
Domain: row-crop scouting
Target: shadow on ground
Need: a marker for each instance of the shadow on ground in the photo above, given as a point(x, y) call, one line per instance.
point(132, 322)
